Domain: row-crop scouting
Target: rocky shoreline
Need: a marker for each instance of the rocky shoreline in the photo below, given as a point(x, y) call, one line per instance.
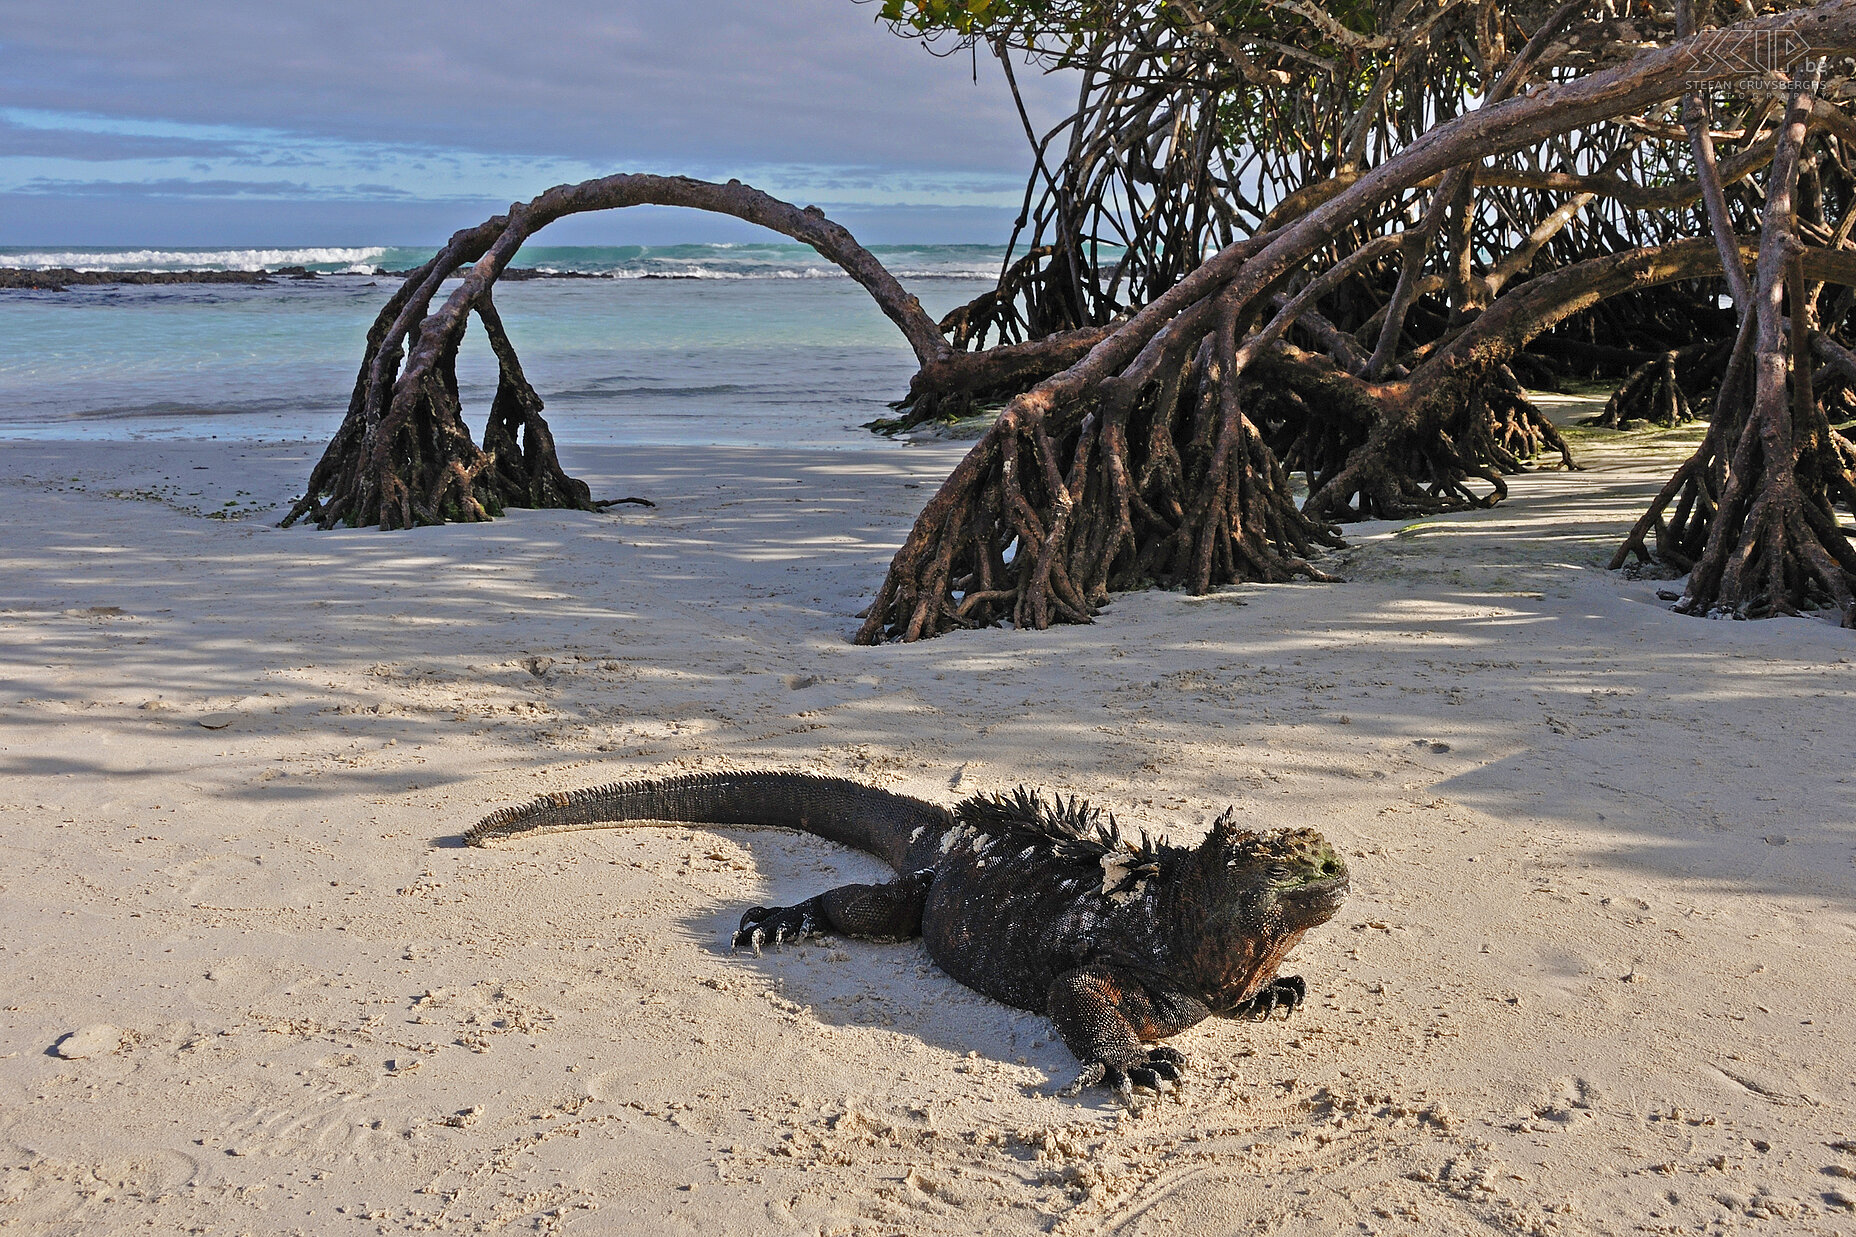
point(57, 279)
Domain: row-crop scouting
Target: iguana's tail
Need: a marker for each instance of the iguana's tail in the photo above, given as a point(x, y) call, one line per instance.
point(871, 820)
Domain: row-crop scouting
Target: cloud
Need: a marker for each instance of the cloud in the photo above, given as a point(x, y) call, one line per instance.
point(187, 187)
point(615, 83)
point(332, 100)
point(64, 153)
point(21, 141)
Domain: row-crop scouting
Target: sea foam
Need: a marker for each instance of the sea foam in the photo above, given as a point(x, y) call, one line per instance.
point(726, 261)
point(358, 261)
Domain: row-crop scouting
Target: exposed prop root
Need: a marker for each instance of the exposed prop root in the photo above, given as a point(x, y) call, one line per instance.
point(1005, 311)
point(1753, 520)
point(1665, 390)
point(1166, 481)
point(528, 472)
point(963, 384)
point(1520, 431)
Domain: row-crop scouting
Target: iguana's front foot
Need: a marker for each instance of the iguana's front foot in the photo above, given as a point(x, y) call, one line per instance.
point(1107, 1017)
point(762, 925)
point(1285, 992)
point(1158, 1071)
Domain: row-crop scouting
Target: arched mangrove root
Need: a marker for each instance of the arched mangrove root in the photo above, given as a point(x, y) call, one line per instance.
point(404, 456)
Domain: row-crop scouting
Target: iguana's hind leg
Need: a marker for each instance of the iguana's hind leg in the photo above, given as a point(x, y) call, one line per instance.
point(891, 912)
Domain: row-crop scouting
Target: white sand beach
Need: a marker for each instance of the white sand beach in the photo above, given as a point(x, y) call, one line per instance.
point(1595, 976)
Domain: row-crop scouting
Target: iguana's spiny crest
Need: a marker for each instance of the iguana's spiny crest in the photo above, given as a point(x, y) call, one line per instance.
point(1296, 866)
point(1071, 829)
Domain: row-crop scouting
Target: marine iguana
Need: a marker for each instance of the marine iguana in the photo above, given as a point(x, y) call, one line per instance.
point(1044, 904)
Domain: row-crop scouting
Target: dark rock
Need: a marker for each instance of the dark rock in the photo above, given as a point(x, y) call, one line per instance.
point(59, 278)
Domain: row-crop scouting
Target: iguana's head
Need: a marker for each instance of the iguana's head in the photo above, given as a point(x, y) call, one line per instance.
point(1276, 882)
point(1253, 895)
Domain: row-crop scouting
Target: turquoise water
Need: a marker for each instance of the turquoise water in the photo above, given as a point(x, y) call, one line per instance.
point(736, 344)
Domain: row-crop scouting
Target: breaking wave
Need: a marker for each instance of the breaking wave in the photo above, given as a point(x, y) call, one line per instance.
point(706, 262)
point(356, 261)
point(755, 261)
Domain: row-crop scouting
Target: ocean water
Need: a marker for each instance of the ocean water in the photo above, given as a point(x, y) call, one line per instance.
point(753, 344)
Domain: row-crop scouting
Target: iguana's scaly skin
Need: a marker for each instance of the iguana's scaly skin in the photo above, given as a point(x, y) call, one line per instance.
point(1041, 903)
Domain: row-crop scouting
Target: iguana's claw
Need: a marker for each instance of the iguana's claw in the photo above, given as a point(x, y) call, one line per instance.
point(1149, 1080)
point(1088, 1076)
point(743, 935)
point(1159, 1073)
point(1286, 992)
point(761, 925)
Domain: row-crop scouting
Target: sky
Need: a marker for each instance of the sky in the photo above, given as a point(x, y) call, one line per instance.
point(331, 122)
